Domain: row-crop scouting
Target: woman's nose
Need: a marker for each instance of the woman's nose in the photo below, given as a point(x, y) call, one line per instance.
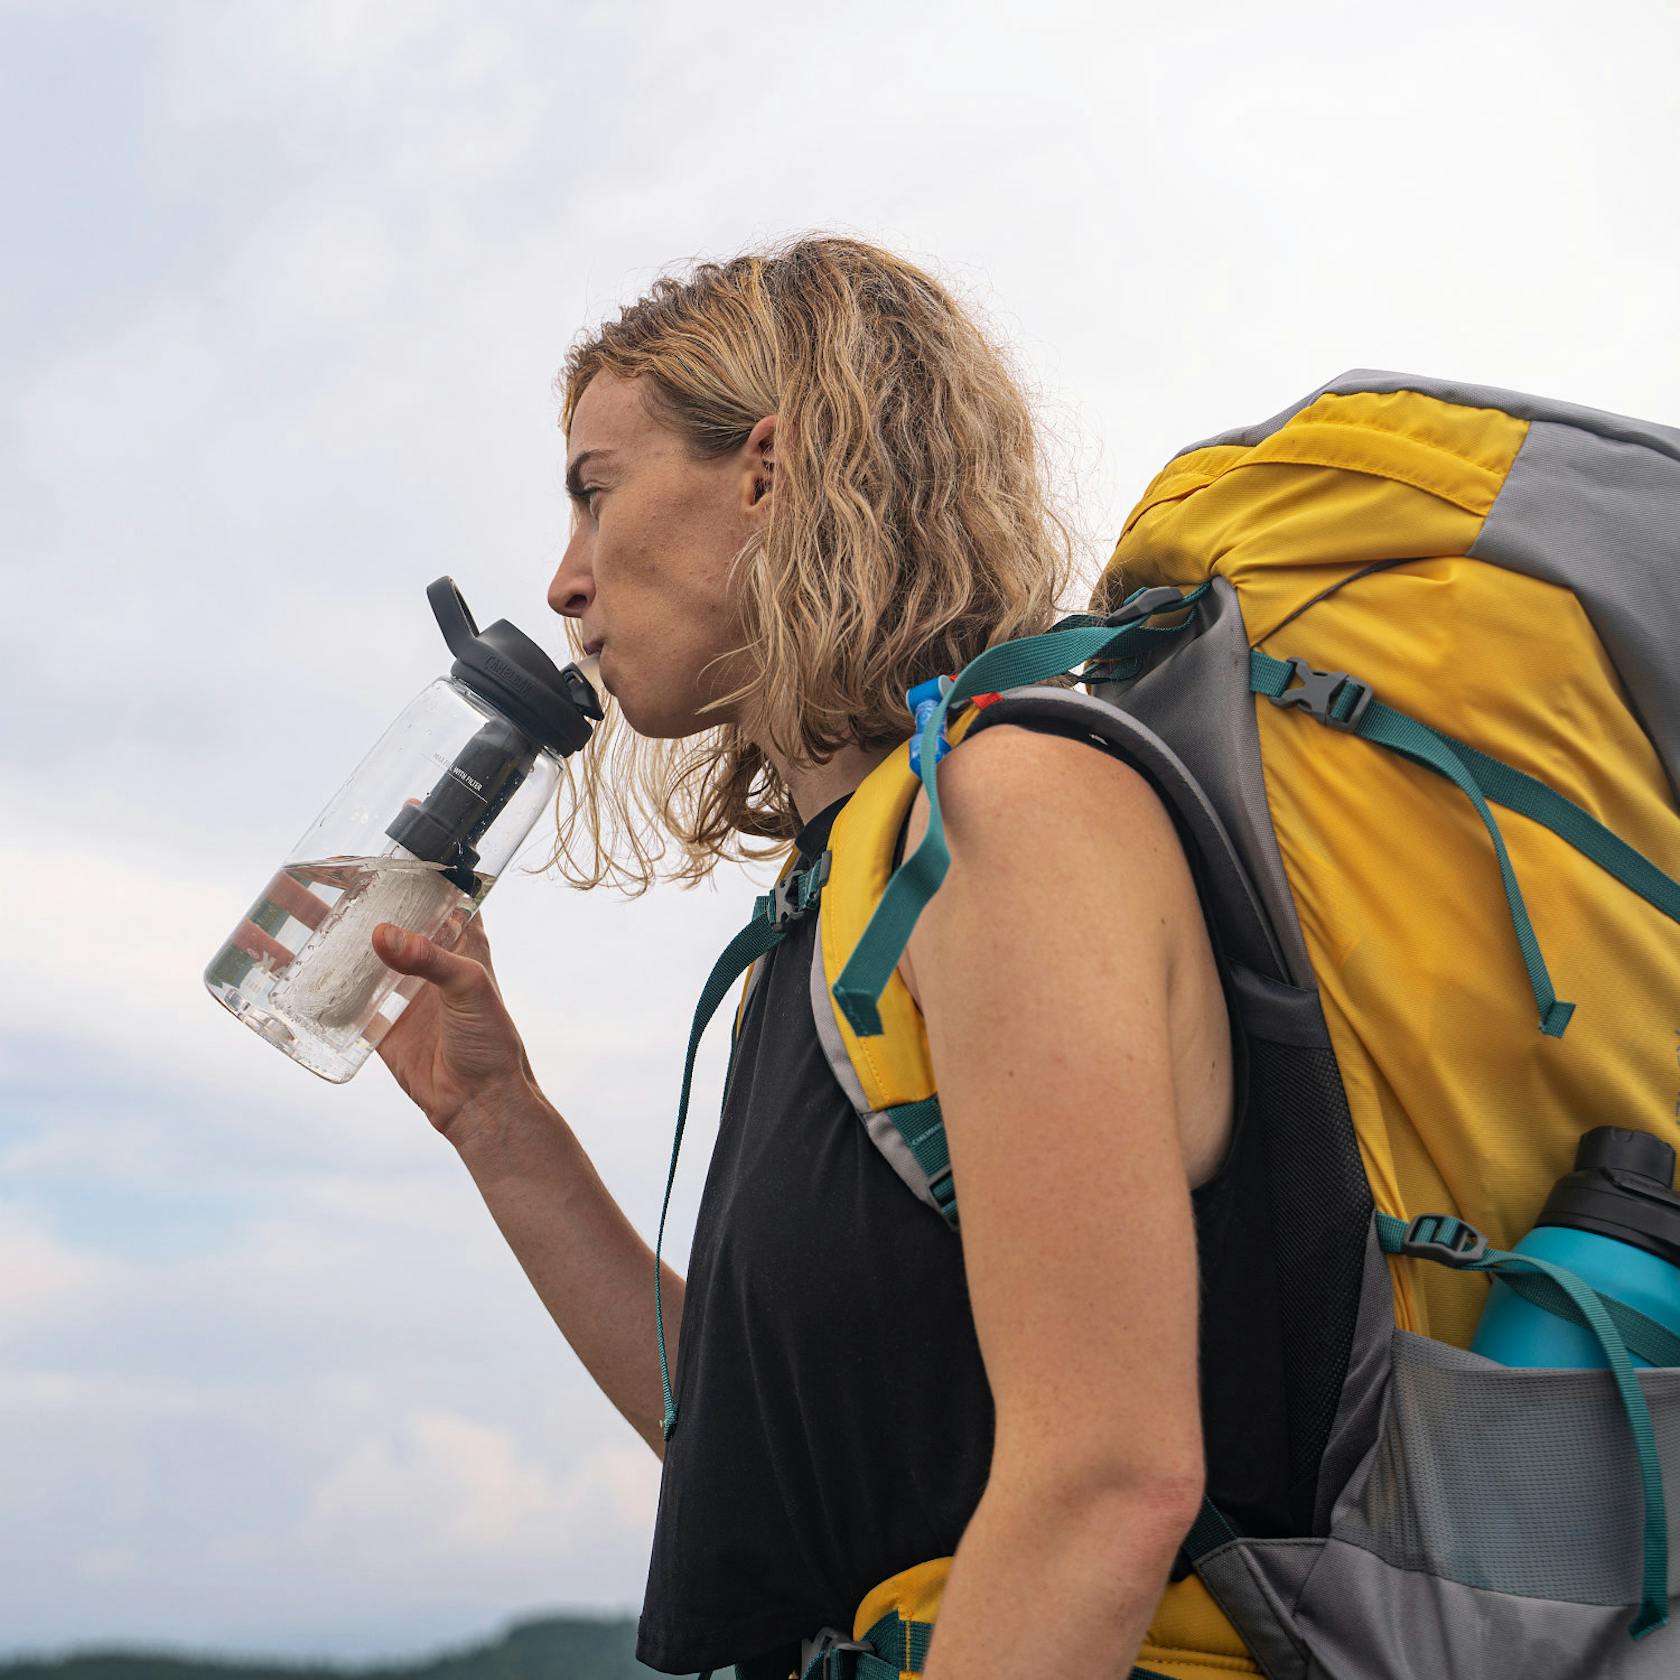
point(573, 587)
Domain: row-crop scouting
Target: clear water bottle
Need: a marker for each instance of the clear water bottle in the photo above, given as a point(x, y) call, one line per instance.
point(417, 837)
point(1615, 1222)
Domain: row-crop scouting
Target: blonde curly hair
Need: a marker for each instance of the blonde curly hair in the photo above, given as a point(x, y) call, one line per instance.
point(912, 527)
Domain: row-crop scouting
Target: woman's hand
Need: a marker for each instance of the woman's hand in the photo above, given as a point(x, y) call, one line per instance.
point(454, 1049)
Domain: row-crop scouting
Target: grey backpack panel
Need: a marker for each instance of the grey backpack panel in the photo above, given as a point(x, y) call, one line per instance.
point(1507, 1479)
point(1198, 699)
point(1329, 1610)
point(1365, 1387)
point(1597, 514)
point(1491, 1529)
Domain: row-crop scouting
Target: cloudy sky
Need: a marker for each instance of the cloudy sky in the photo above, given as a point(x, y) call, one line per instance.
point(284, 289)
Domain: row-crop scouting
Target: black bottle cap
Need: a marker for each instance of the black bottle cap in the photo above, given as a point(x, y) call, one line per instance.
point(1622, 1187)
point(1637, 1152)
point(506, 669)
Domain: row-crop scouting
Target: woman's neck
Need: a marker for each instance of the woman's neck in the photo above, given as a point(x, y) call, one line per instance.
point(815, 787)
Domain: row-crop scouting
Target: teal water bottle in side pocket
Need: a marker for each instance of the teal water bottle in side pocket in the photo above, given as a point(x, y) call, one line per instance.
point(1615, 1222)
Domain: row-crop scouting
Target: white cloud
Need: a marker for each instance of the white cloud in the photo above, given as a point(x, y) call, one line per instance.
point(44, 1281)
point(446, 1484)
point(290, 362)
point(455, 1490)
point(66, 1392)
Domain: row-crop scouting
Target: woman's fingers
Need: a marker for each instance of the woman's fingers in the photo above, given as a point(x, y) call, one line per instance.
point(458, 978)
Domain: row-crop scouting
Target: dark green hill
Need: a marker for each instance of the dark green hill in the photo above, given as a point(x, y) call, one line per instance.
point(549, 1648)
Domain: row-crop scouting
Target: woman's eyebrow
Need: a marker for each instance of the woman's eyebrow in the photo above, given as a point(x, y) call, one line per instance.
point(574, 473)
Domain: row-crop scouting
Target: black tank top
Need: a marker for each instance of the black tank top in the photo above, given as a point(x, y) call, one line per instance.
point(835, 1419)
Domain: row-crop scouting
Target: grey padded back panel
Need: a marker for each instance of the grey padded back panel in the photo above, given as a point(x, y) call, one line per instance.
point(1197, 698)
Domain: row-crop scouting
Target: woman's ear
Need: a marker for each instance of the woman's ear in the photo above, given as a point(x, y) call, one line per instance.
point(758, 470)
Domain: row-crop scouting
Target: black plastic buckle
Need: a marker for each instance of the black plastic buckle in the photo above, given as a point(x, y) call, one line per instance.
point(797, 895)
point(829, 1645)
point(1444, 1238)
point(1159, 599)
point(1317, 693)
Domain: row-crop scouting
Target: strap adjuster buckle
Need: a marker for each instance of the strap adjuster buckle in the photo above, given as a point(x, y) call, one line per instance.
point(1161, 598)
point(1317, 691)
point(823, 1658)
point(1444, 1238)
point(797, 895)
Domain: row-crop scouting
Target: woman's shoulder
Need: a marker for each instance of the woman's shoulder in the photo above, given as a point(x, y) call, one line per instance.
point(1058, 826)
point(1069, 914)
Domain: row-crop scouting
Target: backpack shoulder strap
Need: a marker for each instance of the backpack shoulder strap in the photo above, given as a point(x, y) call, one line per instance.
point(889, 1076)
point(888, 1079)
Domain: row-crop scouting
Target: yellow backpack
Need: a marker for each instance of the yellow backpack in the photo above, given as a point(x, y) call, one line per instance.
point(1401, 662)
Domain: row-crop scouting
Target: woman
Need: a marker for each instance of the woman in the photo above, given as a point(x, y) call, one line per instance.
point(805, 481)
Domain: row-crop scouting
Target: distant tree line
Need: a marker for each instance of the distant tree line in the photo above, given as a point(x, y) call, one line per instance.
point(552, 1648)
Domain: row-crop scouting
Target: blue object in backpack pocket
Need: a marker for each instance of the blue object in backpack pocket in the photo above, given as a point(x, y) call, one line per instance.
point(1615, 1223)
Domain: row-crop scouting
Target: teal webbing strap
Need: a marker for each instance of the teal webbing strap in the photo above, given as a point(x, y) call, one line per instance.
point(1344, 706)
point(773, 913)
point(900, 1647)
point(1131, 664)
point(900, 1644)
point(1348, 704)
point(1528, 797)
point(893, 1646)
point(1029, 659)
point(1533, 799)
point(1446, 1239)
point(1655, 1343)
point(903, 1649)
point(922, 1127)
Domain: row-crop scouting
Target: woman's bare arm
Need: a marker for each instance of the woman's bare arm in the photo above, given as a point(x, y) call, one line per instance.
point(1042, 967)
point(458, 1056)
point(586, 1261)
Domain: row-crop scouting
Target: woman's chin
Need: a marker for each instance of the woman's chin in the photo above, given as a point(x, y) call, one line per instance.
point(654, 716)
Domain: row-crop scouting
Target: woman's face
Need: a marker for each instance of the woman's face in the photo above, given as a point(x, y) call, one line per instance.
point(645, 570)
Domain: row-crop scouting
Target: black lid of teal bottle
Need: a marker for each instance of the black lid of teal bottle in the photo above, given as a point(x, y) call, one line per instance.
point(1622, 1187)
